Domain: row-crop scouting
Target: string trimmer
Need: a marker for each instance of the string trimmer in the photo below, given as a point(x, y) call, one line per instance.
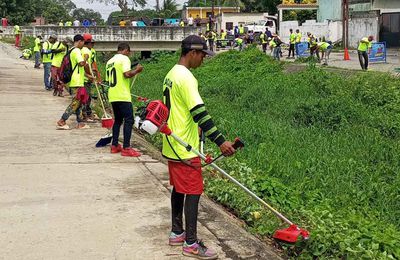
point(153, 119)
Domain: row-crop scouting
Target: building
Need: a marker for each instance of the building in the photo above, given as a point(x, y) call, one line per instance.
point(227, 21)
point(380, 18)
point(385, 14)
point(205, 12)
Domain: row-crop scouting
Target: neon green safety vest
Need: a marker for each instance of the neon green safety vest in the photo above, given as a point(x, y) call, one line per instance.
point(292, 38)
point(263, 38)
point(364, 44)
point(17, 29)
point(223, 36)
point(298, 37)
point(47, 57)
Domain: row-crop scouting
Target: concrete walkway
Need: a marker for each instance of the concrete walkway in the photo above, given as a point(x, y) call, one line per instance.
point(62, 198)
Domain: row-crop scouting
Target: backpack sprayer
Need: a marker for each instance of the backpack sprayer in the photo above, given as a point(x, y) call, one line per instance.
point(153, 118)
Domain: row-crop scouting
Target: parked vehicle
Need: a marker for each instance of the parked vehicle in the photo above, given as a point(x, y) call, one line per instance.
point(260, 26)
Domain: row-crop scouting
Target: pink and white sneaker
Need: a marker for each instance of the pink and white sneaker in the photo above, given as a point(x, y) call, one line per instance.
point(199, 250)
point(176, 240)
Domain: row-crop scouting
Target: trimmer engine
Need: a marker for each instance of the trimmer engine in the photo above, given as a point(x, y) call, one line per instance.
point(152, 118)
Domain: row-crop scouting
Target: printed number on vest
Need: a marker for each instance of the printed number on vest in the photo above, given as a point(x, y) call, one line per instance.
point(112, 76)
point(166, 94)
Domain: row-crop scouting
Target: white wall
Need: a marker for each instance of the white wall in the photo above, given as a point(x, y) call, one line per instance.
point(332, 31)
point(358, 28)
point(362, 27)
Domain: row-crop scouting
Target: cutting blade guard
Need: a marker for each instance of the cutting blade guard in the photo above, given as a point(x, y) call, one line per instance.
point(292, 234)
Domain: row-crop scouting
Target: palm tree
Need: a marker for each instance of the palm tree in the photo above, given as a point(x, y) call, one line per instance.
point(170, 9)
point(157, 5)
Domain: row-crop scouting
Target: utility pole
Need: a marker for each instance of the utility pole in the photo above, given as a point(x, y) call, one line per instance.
point(345, 28)
point(212, 15)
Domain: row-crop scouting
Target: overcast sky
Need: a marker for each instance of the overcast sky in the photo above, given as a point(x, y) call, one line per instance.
point(105, 10)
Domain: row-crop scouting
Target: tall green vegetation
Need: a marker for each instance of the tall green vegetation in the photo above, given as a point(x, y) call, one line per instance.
point(322, 148)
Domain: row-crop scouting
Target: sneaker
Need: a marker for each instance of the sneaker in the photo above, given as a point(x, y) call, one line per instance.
point(199, 250)
point(61, 125)
point(116, 149)
point(130, 152)
point(176, 240)
point(82, 126)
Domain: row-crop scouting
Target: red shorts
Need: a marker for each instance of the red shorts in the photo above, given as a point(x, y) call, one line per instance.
point(186, 179)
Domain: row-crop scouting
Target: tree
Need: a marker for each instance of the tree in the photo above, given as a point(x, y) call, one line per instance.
point(144, 15)
point(18, 11)
point(24, 11)
point(245, 5)
point(300, 15)
point(89, 14)
point(52, 11)
point(67, 4)
point(123, 4)
point(157, 5)
point(170, 9)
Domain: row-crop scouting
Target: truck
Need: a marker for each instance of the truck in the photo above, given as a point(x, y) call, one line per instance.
point(262, 25)
point(256, 22)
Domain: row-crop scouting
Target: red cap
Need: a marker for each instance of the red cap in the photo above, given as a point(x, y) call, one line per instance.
point(87, 37)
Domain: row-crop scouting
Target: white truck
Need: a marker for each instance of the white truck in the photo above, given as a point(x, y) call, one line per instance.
point(262, 25)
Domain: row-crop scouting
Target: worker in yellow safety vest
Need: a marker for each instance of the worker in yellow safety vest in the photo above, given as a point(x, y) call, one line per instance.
point(239, 43)
point(222, 36)
point(292, 42)
point(312, 44)
point(272, 45)
point(17, 33)
point(298, 40)
point(264, 41)
point(241, 29)
point(363, 49)
point(325, 48)
point(211, 36)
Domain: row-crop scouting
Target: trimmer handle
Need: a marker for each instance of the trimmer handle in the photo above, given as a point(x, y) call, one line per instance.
point(238, 144)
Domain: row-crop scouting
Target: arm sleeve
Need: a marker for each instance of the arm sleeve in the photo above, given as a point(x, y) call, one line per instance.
point(201, 116)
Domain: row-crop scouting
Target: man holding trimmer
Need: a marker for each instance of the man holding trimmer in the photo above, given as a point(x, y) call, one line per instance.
point(119, 75)
point(187, 113)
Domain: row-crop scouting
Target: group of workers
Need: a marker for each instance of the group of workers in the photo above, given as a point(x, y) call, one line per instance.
point(55, 55)
point(320, 49)
point(187, 116)
point(76, 23)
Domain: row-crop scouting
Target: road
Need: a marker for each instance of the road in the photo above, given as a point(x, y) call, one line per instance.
point(62, 198)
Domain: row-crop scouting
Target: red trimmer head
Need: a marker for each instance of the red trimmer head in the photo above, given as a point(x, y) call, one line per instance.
point(291, 234)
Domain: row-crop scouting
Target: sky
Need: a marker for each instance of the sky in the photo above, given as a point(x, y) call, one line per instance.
point(105, 10)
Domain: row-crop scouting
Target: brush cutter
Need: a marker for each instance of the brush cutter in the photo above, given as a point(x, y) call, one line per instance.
point(155, 119)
